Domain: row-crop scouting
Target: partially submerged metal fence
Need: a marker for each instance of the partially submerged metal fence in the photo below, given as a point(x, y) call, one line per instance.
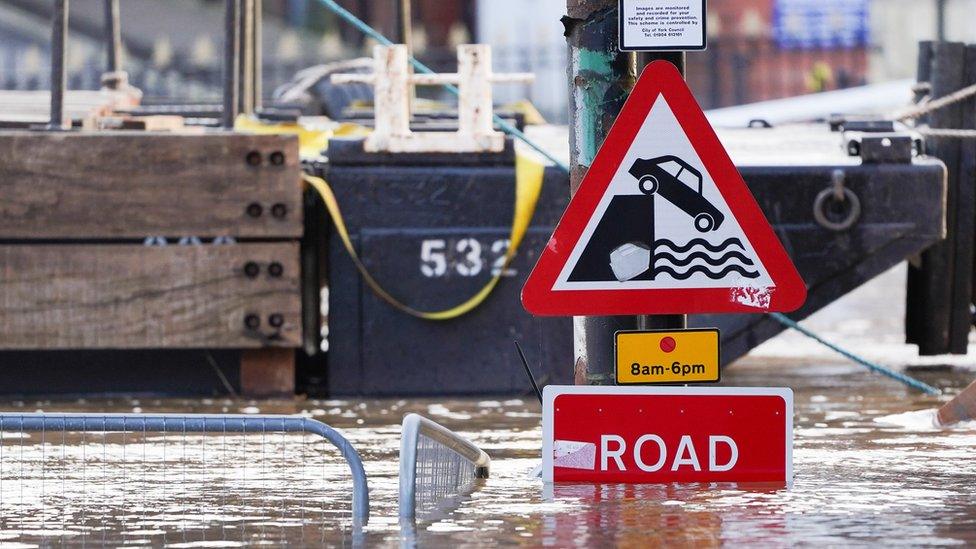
point(164, 472)
point(436, 466)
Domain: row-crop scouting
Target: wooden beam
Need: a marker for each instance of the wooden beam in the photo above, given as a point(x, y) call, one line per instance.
point(268, 373)
point(137, 297)
point(66, 185)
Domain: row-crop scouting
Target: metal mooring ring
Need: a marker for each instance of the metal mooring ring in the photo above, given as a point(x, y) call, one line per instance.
point(836, 215)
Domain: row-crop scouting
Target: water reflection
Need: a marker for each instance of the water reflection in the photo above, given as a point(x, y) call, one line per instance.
point(642, 515)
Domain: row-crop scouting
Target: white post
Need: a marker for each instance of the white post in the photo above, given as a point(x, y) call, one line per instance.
point(392, 81)
point(475, 103)
point(391, 97)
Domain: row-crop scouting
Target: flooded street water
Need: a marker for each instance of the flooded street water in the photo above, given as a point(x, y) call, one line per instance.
point(869, 465)
point(866, 471)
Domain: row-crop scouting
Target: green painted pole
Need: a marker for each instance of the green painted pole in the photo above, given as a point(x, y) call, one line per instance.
point(601, 78)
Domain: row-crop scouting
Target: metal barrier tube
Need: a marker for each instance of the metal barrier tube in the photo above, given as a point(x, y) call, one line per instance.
point(257, 57)
point(232, 59)
point(113, 36)
point(407, 497)
point(245, 77)
point(59, 42)
point(201, 423)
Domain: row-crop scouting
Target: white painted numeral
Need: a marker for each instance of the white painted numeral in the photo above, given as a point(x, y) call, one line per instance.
point(440, 258)
point(500, 249)
point(433, 261)
point(471, 263)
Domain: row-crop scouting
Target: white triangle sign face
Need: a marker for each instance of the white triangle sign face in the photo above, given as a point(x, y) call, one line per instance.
point(662, 223)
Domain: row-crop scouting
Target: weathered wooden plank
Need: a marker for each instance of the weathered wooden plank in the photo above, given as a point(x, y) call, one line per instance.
point(268, 372)
point(131, 296)
point(126, 184)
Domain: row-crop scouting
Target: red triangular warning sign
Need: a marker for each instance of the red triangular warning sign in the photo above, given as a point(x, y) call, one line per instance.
point(662, 223)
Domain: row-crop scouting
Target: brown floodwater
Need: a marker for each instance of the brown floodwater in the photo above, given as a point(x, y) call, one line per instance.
point(870, 468)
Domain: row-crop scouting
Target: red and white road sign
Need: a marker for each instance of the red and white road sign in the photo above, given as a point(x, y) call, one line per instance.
point(648, 435)
point(662, 223)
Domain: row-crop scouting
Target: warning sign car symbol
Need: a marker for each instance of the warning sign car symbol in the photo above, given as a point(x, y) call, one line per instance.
point(674, 179)
point(662, 223)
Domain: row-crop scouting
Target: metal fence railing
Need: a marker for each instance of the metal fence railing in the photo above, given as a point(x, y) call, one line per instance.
point(172, 469)
point(436, 466)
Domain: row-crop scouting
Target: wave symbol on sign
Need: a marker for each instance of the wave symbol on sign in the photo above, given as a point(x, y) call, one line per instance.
point(716, 261)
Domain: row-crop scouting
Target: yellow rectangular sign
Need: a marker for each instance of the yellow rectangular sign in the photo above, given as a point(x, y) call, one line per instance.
point(649, 357)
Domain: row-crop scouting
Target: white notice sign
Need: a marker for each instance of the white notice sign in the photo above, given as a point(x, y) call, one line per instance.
point(669, 25)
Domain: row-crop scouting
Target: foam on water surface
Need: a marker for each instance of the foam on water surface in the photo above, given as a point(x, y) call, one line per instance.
point(918, 420)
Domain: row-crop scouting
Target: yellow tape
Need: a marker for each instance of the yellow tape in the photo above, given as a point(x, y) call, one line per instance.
point(528, 186)
point(311, 141)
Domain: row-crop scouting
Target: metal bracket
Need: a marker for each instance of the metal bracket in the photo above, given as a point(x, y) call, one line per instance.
point(883, 147)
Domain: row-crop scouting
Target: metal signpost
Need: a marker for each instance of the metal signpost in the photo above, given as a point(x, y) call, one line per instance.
point(661, 223)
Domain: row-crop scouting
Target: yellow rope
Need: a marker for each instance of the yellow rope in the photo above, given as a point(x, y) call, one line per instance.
point(528, 186)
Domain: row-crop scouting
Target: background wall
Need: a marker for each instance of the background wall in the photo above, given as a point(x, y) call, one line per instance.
point(531, 42)
point(758, 49)
point(898, 26)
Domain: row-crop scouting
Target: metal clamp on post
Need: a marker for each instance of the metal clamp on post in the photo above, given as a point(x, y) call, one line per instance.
point(837, 208)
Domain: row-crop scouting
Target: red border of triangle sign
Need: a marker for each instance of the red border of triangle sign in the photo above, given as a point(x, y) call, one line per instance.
point(787, 292)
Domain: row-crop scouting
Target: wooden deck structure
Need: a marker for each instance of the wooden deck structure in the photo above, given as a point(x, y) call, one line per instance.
point(78, 208)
